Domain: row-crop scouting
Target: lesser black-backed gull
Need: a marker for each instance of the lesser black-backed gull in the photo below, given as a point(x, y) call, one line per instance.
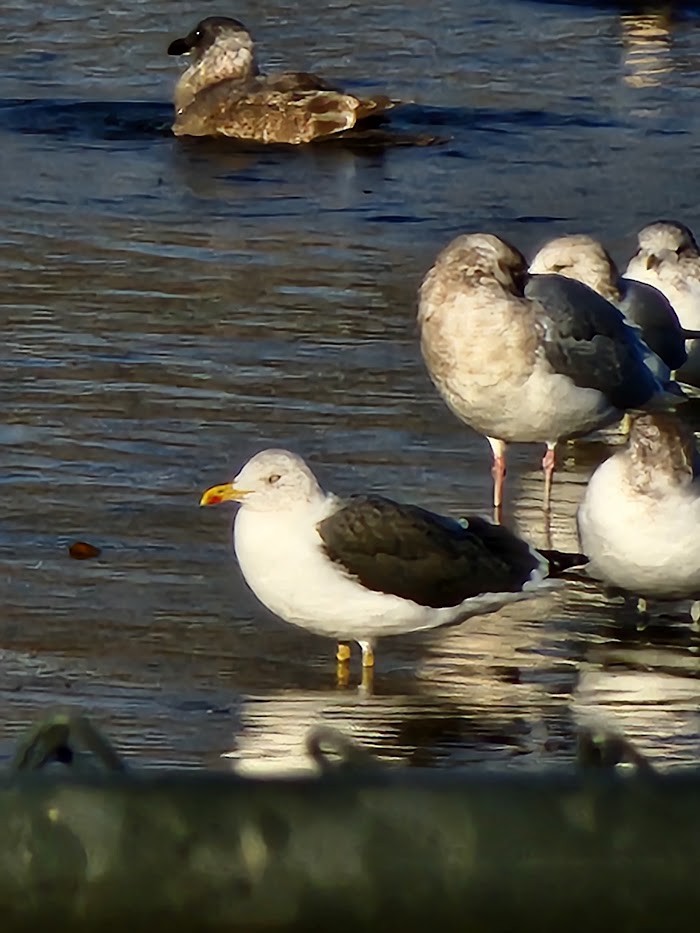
point(639, 520)
point(361, 568)
point(222, 92)
point(526, 361)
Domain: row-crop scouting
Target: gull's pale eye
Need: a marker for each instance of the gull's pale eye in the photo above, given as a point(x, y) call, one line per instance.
point(274, 478)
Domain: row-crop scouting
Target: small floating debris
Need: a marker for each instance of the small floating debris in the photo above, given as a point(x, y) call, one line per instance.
point(81, 550)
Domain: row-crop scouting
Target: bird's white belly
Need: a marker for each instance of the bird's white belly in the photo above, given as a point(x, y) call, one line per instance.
point(286, 568)
point(546, 407)
point(650, 547)
point(686, 303)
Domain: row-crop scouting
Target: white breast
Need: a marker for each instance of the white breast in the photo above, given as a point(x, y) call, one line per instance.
point(546, 407)
point(646, 544)
point(677, 282)
point(282, 560)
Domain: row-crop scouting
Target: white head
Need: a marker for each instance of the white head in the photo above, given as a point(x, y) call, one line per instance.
point(271, 481)
point(582, 258)
point(667, 236)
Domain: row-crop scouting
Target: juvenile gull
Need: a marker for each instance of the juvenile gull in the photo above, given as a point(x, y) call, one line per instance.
point(222, 92)
point(668, 259)
point(639, 520)
point(583, 258)
point(360, 568)
point(534, 363)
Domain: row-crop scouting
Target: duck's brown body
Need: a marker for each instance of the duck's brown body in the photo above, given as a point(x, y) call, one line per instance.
point(223, 94)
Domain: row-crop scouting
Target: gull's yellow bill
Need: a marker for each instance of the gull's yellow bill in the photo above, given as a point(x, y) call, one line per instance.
point(224, 493)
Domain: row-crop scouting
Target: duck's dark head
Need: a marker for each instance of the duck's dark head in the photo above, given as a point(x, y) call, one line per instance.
point(211, 31)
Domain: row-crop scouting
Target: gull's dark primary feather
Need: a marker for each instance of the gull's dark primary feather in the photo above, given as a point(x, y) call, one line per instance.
point(586, 338)
point(433, 560)
point(561, 562)
point(651, 311)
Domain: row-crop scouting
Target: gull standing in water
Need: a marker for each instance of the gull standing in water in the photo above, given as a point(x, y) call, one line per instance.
point(528, 362)
point(639, 520)
point(361, 568)
point(222, 92)
point(668, 258)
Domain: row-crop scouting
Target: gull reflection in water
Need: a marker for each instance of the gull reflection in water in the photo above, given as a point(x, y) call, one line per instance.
point(646, 40)
point(648, 695)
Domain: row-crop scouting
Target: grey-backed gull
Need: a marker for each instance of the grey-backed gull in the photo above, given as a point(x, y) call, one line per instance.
point(222, 92)
point(360, 568)
point(668, 259)
point(639, 520)
point(535, 362)
point(583, 258)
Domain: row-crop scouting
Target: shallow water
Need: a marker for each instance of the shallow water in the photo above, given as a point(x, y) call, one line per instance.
point(170, 307)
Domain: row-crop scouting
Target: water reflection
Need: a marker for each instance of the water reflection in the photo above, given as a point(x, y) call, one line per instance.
point(415, 729)
point(650, 693)
point(646, 40)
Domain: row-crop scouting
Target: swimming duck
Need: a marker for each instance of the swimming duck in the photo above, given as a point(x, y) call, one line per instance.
point(222, 93)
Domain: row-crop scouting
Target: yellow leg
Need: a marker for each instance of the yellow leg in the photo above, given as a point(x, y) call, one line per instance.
point(342, 674)
point(344, 652)
point(367, 653)
point(367, 682)
point(626, 425)
point(342, 670)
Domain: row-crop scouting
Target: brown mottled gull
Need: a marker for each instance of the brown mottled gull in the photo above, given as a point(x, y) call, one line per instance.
point(639, 520)
point(222, 92)
point(518, 361)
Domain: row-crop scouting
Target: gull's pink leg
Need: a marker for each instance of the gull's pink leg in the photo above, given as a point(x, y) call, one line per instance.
point(548, 463)
point(498, 471)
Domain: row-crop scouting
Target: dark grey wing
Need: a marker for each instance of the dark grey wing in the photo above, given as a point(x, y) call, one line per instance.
point(652, 312)
point(586, 338)
point(690, 371)
point(435, 561)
